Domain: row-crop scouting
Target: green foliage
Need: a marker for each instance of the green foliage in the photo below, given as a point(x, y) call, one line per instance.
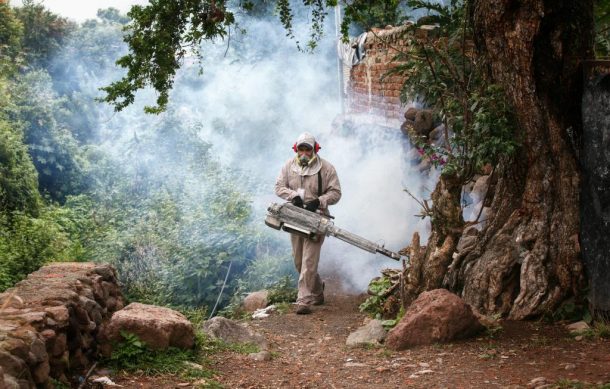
point(27, 243)
point(11, 32)
point(391, 323)
point(159, 207)
point(566, 383)
point(445, 73)
point(160, 35)
point(265, 270)
point(132, 355)
point(601, 330)
point(172, 223)
point(54, 150)
point(209, 345)
point(44, 33)
point(571, 309)
point(283, 291)
point(112, 15)
point(602, 29)
point(598, 330)
point(369, 14)
point(88, 54)
point(29, 232)
point(272, 272)
point(18, 177)
point(377, 289)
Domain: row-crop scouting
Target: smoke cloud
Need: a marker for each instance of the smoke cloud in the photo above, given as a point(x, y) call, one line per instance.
point(250, 104)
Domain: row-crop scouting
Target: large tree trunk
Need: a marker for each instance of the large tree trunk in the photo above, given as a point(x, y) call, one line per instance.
point(527, 260)
point(428, 266)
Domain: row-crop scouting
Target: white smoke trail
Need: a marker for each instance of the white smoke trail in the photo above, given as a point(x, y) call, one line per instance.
point(252, 104)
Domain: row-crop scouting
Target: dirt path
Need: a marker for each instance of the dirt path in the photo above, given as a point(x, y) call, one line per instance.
point(309, 352)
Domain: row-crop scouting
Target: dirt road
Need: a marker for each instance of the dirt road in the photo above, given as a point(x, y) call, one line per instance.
point(309, 352)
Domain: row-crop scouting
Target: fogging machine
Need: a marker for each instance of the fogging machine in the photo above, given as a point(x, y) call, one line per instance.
point(297, 220)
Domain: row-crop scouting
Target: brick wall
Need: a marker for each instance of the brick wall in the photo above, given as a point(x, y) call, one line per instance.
point(370, 90)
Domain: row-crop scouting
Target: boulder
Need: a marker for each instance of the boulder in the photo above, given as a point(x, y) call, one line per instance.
point(423, 122)
point(372, 333)
point(410, 113)
point(157, 326)
point(261, 356)
point(436, 316)
point(578, 328)
point(256, 300)
point(480, 189)
point(437, 134)
point(231, 332)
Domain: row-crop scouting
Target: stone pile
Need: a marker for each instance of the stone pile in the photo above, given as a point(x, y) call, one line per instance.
point(49, 322)
point(419, 126)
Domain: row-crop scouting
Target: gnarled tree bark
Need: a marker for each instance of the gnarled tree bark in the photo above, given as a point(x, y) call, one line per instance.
point(527, 260)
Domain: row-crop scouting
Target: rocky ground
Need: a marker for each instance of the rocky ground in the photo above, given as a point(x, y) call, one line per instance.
point(310, 352)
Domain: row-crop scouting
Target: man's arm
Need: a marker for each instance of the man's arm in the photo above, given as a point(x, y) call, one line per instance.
point(281, 185)
point(333, 189)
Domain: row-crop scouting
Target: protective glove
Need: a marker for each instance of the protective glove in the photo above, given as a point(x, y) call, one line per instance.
point(312, 205)
point(298, 201)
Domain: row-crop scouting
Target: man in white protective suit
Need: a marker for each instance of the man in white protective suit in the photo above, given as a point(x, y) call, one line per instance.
point(310, 182)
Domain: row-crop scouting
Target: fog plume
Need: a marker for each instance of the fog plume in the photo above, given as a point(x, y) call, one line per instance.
point(250, 104)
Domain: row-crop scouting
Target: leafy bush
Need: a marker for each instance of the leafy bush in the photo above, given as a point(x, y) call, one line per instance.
point(377, 289)
point(11, 33)
point(55, 152)
point(18, 177)
point(444, 72)
point(572, 309)
point(602, 29)
point(27, 243)
point(283, 291)
point(132, 355)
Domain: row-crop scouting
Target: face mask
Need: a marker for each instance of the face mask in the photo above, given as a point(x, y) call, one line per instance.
point(305, 161)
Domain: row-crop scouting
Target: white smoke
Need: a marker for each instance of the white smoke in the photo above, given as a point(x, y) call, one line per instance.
point(253, 103)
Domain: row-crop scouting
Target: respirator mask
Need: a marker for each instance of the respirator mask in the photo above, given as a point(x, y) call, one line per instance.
point(304, 160)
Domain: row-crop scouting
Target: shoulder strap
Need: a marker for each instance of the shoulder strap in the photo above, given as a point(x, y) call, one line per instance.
point(320, 183)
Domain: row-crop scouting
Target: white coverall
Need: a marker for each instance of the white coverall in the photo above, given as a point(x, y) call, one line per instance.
point(306, 253)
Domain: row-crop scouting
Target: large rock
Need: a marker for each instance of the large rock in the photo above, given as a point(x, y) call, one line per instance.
point(479, 189)
point(256, 300)
point(231, 332)
point(410, 113)
point(157, 326)
point(436, 316)
point(423, 122)
point(372, 333)
point(468, 239)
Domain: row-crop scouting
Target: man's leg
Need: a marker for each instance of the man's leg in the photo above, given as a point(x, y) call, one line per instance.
point(310, 284)
point(297, 250)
